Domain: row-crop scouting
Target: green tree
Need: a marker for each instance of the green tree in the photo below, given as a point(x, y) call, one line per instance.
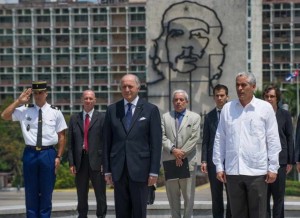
point(64, 179)
point(11, 145)
point(289, 96)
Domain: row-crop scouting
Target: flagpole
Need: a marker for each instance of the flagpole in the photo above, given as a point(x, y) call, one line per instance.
point(297, 89)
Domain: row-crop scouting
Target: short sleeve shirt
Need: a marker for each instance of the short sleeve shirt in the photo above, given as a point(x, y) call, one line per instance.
point(53, 123)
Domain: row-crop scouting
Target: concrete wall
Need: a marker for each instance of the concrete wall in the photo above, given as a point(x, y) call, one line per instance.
point(223, 23)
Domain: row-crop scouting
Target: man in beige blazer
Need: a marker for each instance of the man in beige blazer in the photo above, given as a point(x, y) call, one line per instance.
point(181, 132)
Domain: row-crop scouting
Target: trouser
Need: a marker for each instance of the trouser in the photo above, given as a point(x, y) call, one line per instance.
point(277, 191)
point(247, 196)
point(130, 197)
point(216, 188)
point(174, 188)
point(83, 176)
point(39, 181)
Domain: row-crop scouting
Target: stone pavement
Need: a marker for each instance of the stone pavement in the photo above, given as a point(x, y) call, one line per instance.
point(64, 204)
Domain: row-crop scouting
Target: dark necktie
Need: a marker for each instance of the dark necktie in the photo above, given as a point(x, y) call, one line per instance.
point(219, 113)
point(128, 116)
point(86, 129)
point(39, 131)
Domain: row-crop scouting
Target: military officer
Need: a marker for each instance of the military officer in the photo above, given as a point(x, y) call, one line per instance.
point(43, 127)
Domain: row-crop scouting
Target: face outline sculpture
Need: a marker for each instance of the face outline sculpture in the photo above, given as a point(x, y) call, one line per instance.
point(190, 37)
point(186, 45)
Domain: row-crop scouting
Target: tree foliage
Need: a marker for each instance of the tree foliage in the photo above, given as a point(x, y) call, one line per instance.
point(289, 96)
point(64, 179)
point(11, 145)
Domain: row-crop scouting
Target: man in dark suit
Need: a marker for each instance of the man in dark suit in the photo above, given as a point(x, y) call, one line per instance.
point(272, 94)
point(132, 149)
point(85, 154)
point(207, 166)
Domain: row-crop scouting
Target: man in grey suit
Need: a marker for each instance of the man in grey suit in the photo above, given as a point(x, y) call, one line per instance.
point(181, 133)
point(132, 149)
point(85, 154)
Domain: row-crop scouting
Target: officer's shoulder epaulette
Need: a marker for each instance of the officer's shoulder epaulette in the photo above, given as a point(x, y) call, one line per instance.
point(28, 105)
point(54, 107)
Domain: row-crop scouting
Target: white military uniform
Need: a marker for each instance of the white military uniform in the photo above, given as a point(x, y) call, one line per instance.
point(53, 122)
point(39, 164)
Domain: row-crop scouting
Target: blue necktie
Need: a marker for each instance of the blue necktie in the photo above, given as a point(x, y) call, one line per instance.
point(179, 117)
point(128, 116)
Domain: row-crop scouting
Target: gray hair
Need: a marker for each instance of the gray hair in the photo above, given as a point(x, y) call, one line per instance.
point(250, 77)
point(181, 91)
point(137, 80)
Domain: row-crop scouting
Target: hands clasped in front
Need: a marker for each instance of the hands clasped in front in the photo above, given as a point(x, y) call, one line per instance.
point(179, 155)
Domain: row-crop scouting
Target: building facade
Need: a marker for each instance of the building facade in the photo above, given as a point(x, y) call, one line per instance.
point(281, 39)
point(74, 46)
point(77, 45)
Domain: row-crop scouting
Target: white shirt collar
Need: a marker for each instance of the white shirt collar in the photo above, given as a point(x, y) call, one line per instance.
point(134, 102)
point(43, 107)
point(89, 113)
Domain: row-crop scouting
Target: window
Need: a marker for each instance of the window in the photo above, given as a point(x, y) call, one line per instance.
point(137, 17)
point(81, 18)
point(24, 19)
point(41, 19)
point(100, 17)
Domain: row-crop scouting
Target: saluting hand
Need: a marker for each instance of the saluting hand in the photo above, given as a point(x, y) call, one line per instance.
point(25, 96)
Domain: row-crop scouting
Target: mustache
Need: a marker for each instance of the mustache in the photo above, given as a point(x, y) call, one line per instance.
point(187, 53)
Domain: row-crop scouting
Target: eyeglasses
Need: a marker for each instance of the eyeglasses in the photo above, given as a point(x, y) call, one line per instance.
point(270, 96)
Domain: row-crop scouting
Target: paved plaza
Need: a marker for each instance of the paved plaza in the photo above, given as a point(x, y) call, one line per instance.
point(64, 204)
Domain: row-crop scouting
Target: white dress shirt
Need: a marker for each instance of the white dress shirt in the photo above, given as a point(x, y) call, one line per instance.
point(133, 104)
point(247, 139)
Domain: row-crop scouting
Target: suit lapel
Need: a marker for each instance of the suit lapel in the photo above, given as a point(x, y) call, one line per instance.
point(173, 125)
point(94, 118)
point(215, 118)
point(80, 120)
point(184, 120)
point(136, 114)
point(121, 113)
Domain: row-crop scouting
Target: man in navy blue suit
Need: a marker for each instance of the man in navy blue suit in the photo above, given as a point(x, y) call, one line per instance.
point(132, 149)
point(207, 166)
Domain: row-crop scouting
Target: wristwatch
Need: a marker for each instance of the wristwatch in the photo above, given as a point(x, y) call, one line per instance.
point(59, 157)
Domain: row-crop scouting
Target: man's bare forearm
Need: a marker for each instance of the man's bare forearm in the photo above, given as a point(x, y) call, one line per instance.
point(7, 113)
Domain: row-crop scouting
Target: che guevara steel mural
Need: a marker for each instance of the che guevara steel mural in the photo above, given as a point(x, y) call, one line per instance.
point(189, 44)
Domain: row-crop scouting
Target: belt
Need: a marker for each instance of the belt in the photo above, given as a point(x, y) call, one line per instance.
point(85, 151)
point(40, 148)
